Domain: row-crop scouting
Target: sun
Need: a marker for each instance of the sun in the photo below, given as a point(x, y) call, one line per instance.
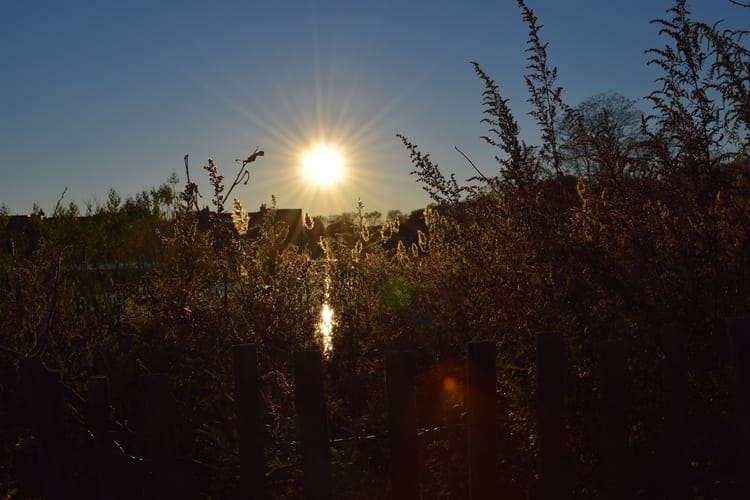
point(323, 165)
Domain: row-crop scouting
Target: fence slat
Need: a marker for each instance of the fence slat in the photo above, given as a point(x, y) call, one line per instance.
point(550, 392)
point(157, 418)
point(313, 424)
point(738, 330)
point(45, 412)
point(402, 423)
point(614, 460)
point(675, 396)
point(98, 412)
point(249, 420)
point(481, 402)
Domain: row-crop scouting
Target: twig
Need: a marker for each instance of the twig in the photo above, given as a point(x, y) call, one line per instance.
point(41, 344)
point(484, 177)
point(187, 174)
point(243, 176)
point(17, 355)
point(59, 201)
point(187, 169)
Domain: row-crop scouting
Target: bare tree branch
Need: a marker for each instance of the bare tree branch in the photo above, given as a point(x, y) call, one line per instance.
point(741, 4)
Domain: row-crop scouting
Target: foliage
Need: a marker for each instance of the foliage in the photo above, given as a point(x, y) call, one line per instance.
point(614, 226)
point(640, 243)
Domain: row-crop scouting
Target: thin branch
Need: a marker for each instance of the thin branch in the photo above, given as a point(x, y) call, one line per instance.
point(476, 169)
point(741, 4)
point(197, 193)
point(187, 169)
point(41, 344)
point(58, 205)
point(243, 176)
point(7, 350)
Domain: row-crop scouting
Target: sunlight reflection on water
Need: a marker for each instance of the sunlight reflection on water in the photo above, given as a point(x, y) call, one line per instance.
point(326, 327)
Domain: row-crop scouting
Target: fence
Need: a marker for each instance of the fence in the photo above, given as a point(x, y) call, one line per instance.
point(165, 476)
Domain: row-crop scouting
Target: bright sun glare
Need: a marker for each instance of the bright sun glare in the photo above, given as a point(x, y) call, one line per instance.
point(323, 166)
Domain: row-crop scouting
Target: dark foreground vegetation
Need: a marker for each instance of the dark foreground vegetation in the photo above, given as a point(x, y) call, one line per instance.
point(616, 227)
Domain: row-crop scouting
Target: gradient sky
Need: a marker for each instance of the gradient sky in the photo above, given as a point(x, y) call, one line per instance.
point(98, 95)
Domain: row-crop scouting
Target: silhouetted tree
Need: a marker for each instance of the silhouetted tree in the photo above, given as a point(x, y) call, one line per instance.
point(600, 136)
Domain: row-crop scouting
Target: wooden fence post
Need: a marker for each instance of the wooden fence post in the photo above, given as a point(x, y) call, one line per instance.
point(481, 402)
point(402, 424)
point(313, 424)
point(44, 404)
point(97, 413)
point(550, 393)
point(158, 413)
point(249, 420)
point(738, 330)
point(97, 401)
point(675, 395)
point(613, 414)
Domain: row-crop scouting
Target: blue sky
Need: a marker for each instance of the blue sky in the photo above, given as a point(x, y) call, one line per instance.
point(99, 95)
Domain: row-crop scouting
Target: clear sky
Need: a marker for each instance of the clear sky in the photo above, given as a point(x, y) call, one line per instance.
point(97, 95)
